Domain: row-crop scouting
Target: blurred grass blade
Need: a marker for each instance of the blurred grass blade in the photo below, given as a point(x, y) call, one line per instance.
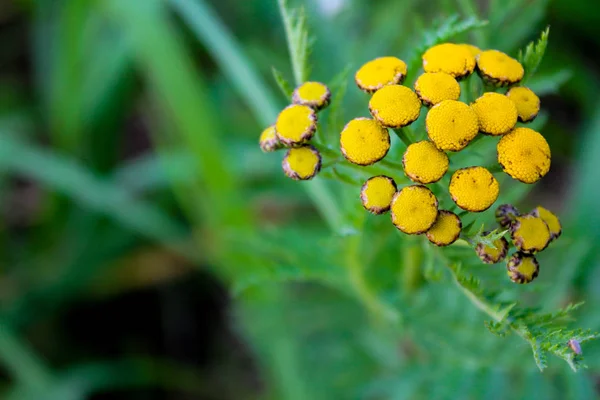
point(71, 179)
point(226, 51)
point(21, 362)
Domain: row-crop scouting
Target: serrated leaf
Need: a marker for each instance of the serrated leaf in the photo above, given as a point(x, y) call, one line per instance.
point(282, 83)
point(299, 42)
point(533, 54)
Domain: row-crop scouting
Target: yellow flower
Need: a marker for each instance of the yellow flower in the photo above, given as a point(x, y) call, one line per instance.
point(424, 163)
point(451, 125)
point(376, 194)
point(268, 140)
point(498, 68)
point(492, 255)
point(395, 106)
point(364, 141)
point(522, 268)
point(313, 94)
point(524, 154)
point(445, 230)
point(497, 113)
point(302, 163)
point(434, 87)
point(473, 49)
point(529, 234)
point(414, 209)
point(506, 214)
point(550, 219)
point(296, 124)
point(450, 58)
point(527, 102)
point(474, 189)
point(380, 72)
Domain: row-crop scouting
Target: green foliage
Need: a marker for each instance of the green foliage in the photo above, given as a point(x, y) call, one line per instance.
point(533, 54)
point(299, 42)
point(282, 83)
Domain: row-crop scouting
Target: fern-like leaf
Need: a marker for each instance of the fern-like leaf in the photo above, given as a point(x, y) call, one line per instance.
point(299, 42)
point(533, 54)
point(282, 83)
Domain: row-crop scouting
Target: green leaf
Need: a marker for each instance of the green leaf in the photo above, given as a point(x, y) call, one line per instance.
point(533, 54)
point(282, 83)
point(549, 83)
point(296, 32)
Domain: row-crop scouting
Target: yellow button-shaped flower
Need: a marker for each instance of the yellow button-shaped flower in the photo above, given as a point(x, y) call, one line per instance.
point(435, 87)
point(522, 268)
point(451, 125)
point(445, 230)
point(527, 102)
point(296, 124)
point(550, 219)
point(268, 140)
point(376, 194)
point(529, 234)
point(424, 163)
point(380, 72)
point(473, 49)
point(364, 141)
point(524, 154)
point(498, 68)
point(506, 215)
point(395, 106)
point(313, 94)
point(414, 209)
point(497, 113)
point(474, 189)
point(302, 163)
point(450, 58)
point(492, 255)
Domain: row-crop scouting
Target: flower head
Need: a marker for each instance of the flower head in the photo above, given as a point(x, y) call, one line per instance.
point(527, 102)
point(395, 106)
point(473, 49)
point(524, 154)
point(497, 113)
point(498, 68)
point(550, 219)
point(492, 255)
point(451, 125)
point(268, 140)
point(302, 163)
point(522, 268)
point(450, 58)
point(380, 72)
point(445, 230)
point(313, 94)
point(434, 87)
point(364, 141)
point(506, 214)
point(474, 188)
point(414, 209)
point(529, 234)
point(424, 163)
point(376, 194)
point(296, 124)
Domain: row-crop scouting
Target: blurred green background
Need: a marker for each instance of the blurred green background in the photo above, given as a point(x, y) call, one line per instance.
point(149, 250)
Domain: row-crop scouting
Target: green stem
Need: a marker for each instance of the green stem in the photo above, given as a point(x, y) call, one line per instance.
point(404, 136)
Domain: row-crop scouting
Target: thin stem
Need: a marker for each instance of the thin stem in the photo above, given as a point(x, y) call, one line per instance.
point(403, 135)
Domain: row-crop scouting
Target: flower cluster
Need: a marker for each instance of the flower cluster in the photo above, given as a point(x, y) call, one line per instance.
point(451, 124)
point(529, 233)
point(294, 128)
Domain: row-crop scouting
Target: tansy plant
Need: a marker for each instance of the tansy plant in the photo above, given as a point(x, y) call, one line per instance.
point(414, 159)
